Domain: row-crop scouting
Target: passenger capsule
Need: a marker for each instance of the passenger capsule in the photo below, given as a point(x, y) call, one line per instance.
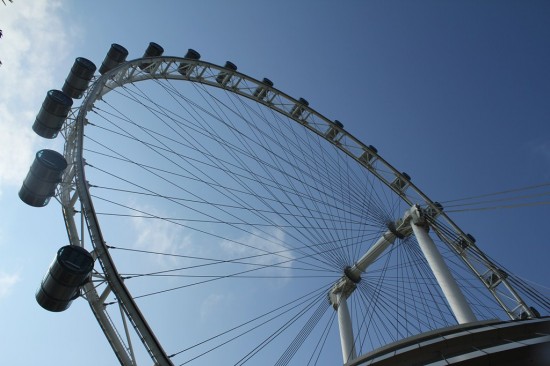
point(69, 270)
point(368, 155)
point(52, 114)
point(332, 132)
point(299, 108)
point(401, 181)
point(117, 54)
point(45, 173)
point(153, 50)
point(261, 91)
point(79, 78)
point(224, 76)
point(186, 68)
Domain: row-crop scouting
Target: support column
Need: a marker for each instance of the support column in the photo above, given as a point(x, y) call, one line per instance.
point(346, 330)
point(344, 287)
point(459, 306)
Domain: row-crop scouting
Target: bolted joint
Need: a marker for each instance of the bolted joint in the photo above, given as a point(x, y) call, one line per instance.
point(352, 275)
point(401, 228)
point(392, 227)
point(418, 216)
point(343, 288)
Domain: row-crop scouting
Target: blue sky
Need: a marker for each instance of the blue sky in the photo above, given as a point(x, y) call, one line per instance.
point(453, 93)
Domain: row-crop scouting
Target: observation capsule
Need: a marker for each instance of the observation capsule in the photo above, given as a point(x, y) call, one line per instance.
point(44, 175)
point(224, 76)
point(69, 270)
point(368, 155)
point(186, 68)
point(79, 78)
point(401, 181)
point(117, 54)
point(261, 91)
point(332, 132)
point(52, 114)
point(435, 210)
point(153, 50)
point(298, 108)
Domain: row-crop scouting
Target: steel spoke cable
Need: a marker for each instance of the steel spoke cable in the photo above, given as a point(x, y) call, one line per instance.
point(386, 286)
point(306, 330)
point(319, 346)
point(171, 220)
point(274, 161)
point(323, 174)
point(249, 150)
point(111, 247)
point(233, 261)
point(158, 195)
point(273, 314)
point(505, 199)
point(213, 234)
point(531, 204)
point(183, 224)
point(172, 201)
point(279, 158)
point(214, 278)
point(526, 188)
point(152, 194)
point(372, 300)
point(536, 297)
point(388, 297)
point(280, 330)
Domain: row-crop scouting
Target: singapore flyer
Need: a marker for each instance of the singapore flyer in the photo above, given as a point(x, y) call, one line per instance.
point(209, 214)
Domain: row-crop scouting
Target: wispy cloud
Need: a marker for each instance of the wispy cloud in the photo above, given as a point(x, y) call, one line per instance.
point(211, 305)
point(161, 236)
point(35, 41)
point(7, 282)
point(540, 154)
point(255, 244)
point(542, 150)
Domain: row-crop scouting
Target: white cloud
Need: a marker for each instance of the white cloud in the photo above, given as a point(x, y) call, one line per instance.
point(35, 40)
point(254, 244)
point(211, 305)
point(542, 149)
point(160, 236)
point(7, 282)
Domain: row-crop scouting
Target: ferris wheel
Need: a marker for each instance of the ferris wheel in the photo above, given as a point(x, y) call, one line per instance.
point(213, 218)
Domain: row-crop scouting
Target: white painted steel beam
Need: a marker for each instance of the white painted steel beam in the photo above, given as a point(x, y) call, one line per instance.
point(458, 303)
